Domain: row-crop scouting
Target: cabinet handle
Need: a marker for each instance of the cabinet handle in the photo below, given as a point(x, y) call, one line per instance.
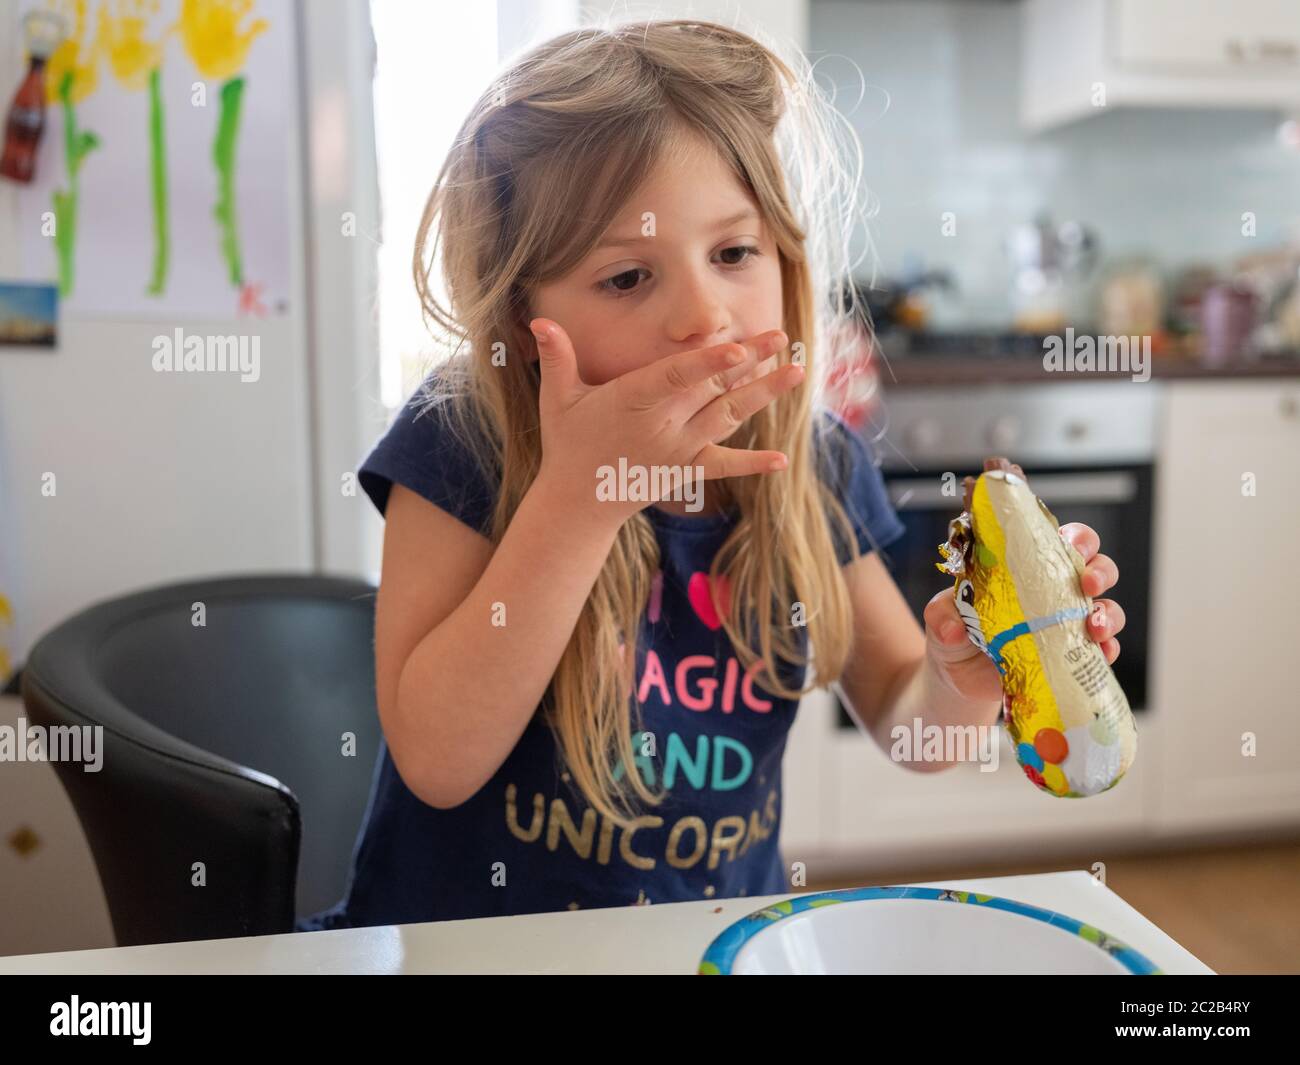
point(1277, 50)
point(1262, 51)
point(1290, 407)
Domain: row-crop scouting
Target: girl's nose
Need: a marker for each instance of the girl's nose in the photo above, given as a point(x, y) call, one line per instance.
point(698, 317)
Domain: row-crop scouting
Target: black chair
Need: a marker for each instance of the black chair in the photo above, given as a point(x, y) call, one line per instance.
point(223, 743)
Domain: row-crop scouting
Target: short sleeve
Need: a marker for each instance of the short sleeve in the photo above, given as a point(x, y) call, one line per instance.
point(422, 451)
point(849, 469)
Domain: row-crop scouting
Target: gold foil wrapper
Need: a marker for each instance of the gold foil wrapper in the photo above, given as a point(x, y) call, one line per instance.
point(1018, 590)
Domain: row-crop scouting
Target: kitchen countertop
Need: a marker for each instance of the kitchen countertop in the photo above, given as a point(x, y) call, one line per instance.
point(662, 939)
point(925, 370)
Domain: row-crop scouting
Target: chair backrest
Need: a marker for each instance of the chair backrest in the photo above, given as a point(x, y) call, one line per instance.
point(227, 707)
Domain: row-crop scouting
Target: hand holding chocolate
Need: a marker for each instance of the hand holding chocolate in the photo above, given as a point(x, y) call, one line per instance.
point(1018, 592)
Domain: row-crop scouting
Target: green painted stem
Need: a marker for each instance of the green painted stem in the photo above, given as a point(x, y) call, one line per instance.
point(76, 146)
point(223, 155)
point(158, 173)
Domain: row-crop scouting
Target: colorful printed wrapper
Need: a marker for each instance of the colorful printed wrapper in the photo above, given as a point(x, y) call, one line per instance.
point(1018, 593)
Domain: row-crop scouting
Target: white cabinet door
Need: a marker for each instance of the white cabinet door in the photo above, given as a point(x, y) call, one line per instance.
point(1081, 58)
point(1202, 35)
point(1225, 665)
point(885, 814)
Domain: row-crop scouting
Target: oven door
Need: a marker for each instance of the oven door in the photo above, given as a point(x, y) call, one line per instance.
point(1116, 501)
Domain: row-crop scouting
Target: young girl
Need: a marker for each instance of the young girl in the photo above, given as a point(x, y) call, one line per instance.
point(635, 245)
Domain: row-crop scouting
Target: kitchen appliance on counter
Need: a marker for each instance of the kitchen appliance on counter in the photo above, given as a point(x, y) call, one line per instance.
point(974, 345)
point(1088, 449)
point(1132, 301)
point(1047, 262)
point(1229, 312)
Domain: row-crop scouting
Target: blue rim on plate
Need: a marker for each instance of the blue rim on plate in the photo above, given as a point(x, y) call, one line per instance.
point(721, 955)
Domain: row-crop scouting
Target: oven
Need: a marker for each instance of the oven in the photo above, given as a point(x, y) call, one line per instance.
point(1088, 449)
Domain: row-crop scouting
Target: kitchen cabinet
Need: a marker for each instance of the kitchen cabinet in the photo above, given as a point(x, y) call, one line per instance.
point(1156, 53)
point(1225, 585)
point(876, 814)
point(1207, 36)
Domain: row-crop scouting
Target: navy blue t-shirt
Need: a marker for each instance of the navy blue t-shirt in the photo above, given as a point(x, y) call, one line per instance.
point(527, 842)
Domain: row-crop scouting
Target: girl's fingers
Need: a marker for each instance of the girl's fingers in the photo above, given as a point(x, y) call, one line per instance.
point(1083, 537)
point(1110, 648)
point(699, 375)
point(728, 412)
point(1105, 619)
point(756, 349)
point(943, 620)
point(1100, 573)
point(721, 462)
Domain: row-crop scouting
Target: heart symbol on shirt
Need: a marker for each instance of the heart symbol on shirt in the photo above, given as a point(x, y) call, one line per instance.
point(697, 591)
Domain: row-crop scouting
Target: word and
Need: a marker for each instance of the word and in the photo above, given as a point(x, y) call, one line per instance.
point(700, 771)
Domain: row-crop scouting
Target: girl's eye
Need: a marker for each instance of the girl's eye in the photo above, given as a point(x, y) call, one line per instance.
point(621, 284)
point(625, 284)
point(748, 250)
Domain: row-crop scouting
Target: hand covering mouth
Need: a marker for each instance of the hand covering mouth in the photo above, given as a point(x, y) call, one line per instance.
point(763, 368)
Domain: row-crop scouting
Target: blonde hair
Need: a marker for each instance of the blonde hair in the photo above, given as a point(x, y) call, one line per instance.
point(507, 214)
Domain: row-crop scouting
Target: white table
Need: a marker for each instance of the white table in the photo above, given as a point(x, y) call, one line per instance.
point(658, 938)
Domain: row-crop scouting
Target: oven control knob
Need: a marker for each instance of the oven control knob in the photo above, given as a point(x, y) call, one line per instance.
point(923, 436)
point(1003, 432)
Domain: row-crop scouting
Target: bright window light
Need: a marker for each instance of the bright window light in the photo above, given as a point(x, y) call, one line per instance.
point(432, 62)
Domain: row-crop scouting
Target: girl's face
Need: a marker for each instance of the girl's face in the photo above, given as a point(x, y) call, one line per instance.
point(687, 263)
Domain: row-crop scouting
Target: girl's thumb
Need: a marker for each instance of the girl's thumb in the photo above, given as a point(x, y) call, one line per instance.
point(554, 356)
